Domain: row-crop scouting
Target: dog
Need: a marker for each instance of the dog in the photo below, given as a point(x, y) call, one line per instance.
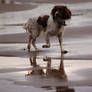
point(52, 26)
point(56, 24)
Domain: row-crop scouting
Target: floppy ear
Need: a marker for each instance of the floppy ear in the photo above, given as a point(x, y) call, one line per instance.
point(39, 20)
point(66, 13)
point(53, 12)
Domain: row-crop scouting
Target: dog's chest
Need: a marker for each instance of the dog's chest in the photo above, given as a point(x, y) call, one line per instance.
point(53, 28)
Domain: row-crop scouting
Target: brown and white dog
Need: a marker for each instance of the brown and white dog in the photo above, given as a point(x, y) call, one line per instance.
point(53, 26)
point(56, 24)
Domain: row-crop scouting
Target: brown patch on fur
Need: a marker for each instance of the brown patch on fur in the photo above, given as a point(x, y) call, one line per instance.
point(39, 20)
point(43, 20)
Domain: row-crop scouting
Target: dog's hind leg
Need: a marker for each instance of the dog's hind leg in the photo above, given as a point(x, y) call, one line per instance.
point(34, 45)
point(29, 42)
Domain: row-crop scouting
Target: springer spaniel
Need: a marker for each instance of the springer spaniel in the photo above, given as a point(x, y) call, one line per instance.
point(53, 26)
point(56, 24)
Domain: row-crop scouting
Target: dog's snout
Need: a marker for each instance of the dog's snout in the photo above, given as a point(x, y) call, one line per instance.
point(56, 14)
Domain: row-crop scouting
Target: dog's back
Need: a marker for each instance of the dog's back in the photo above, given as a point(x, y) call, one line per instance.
point(35, 25)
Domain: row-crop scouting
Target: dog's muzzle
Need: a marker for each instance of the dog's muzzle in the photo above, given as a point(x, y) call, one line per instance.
point(57, 15)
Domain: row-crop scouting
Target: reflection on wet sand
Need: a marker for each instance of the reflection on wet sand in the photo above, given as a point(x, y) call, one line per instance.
point(64, 89)
point(49, 72)
point(37, 69)
point(60, 88)
point(56, 73)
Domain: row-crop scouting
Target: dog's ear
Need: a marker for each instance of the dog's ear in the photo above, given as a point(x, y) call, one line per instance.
point(39, 20)
point(66, 13)
point(53, 11)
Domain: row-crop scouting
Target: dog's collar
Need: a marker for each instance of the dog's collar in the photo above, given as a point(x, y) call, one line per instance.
point(60, 24)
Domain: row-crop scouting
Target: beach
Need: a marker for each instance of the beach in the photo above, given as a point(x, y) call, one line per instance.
point(16, 69)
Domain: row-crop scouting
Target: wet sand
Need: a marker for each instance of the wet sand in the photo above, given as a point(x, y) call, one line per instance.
point(15, 59)
point(54, 1)
point(15, 7)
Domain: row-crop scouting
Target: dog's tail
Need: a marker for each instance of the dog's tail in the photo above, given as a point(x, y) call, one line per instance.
point(25, 27)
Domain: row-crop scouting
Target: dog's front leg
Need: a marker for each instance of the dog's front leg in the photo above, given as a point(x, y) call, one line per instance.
point(60, 38)
point(29, 43)
point(48, 59)
point(47, 41)
point(60, 41)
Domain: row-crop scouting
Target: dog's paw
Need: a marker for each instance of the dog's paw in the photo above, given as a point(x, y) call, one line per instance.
point(28, 47)
point(36, 49)
point(46, 59)
point(46, 46)
point(28, 50)
point(64, 51)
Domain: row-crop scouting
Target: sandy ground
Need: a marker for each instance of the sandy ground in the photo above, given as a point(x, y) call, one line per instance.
point(15, 59)
point(13, 7)
point(54, 1)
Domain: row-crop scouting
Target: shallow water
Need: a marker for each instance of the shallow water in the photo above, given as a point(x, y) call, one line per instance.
point(16, 71)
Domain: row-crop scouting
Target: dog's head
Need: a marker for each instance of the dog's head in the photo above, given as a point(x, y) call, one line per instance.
point(43, 20)
point(61, 12)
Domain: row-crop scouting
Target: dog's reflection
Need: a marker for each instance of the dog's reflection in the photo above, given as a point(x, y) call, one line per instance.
point(37, 69)
point(64, 89)
point(60, 88)
point(55, 73)
point(49, 72)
